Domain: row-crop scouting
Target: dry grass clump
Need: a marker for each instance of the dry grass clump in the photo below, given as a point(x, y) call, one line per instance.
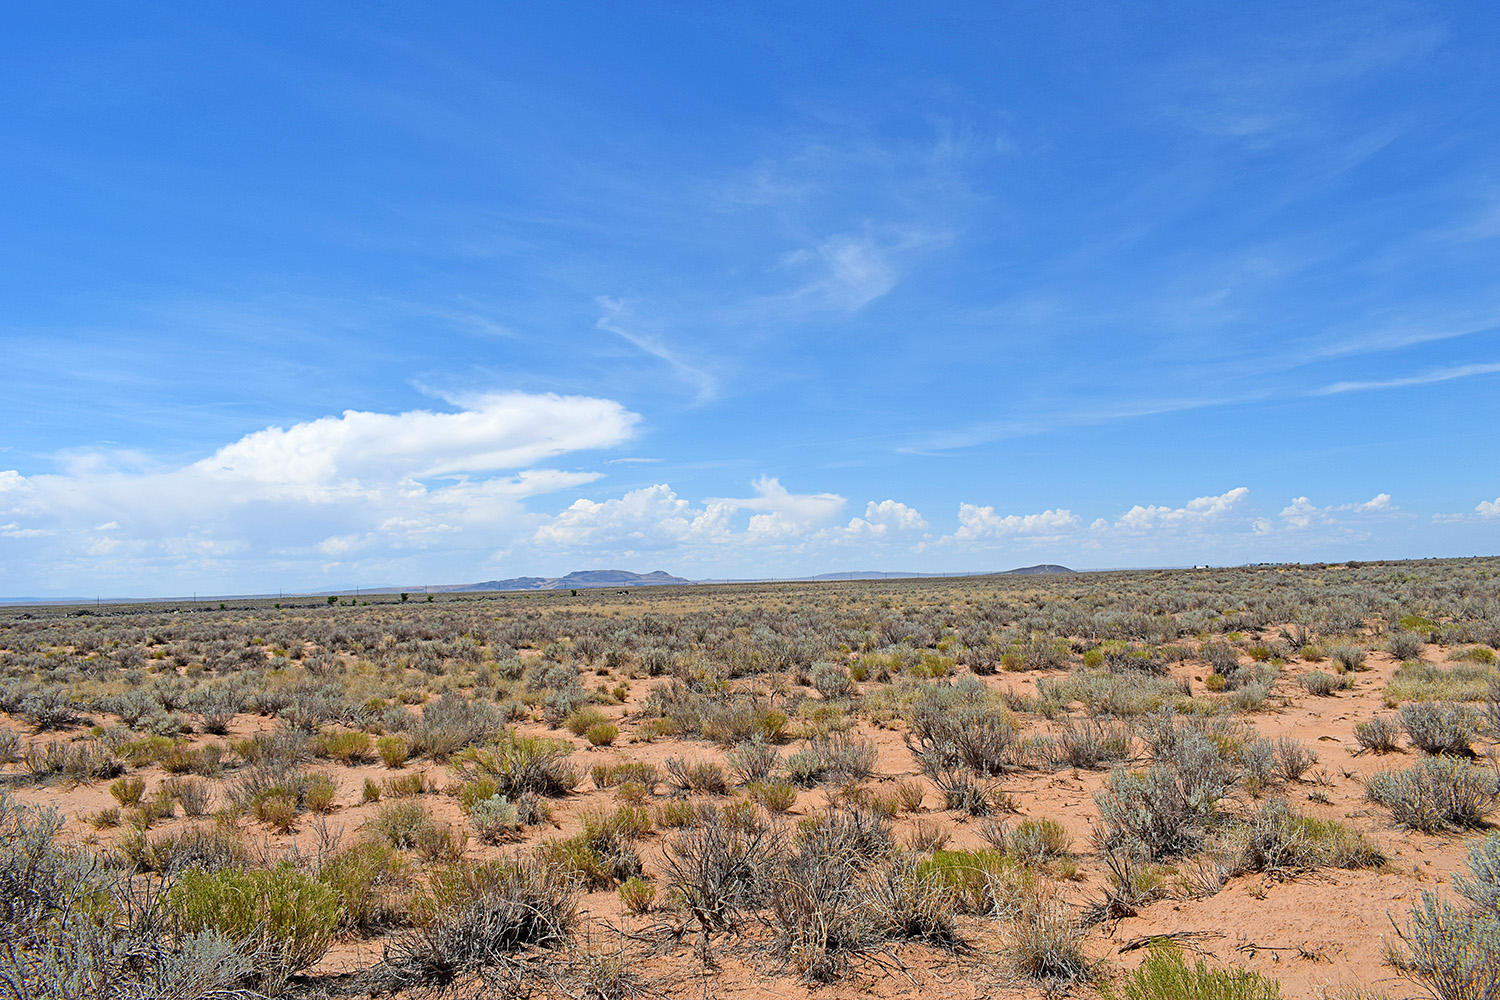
point(1277, 841)
point(1090, 742)
point(476, 925)
point(1379, 733)
point(1417, 681)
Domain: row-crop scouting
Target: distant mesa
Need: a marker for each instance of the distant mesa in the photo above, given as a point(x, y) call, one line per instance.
point(577, 580)
point(596, 578)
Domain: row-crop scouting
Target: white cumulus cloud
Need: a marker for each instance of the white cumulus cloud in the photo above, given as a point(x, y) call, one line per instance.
point(1303, 513)
point(357, 483)
point(656, 517)
point(494, 432)
point(1195, 512)
point(975, 522)
point(884, 517)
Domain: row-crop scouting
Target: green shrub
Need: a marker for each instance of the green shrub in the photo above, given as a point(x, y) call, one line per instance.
point(401, 824)
point(775, 796)
point(275, 809)
point(1165, 975)
point(1320, 683)
point(344, 746)
point(609, 775)
point(676, 813)
point(600, 854)
point(404, 786)
point(601, 734)
point(520, 764)
point(128, 791)
point(595, 864)
point(289, 918)
point(580, 720)
point(1038, 839)
point(980, 882)
point(319, 793)
point(367, 877)
point(637, 895)
point(394, 750)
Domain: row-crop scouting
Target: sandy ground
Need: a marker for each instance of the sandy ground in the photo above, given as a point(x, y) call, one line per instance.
point(1315, 934)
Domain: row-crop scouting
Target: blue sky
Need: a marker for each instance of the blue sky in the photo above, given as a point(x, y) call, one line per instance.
point(307, 296)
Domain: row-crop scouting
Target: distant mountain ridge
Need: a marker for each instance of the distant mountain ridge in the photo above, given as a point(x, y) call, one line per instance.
point(577, 580)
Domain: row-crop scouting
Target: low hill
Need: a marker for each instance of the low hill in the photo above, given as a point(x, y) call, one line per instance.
point(577, 580)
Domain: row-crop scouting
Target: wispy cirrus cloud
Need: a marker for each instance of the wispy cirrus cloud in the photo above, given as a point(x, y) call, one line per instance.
point(1406, 381)
point(616, 319)
point(847, 271)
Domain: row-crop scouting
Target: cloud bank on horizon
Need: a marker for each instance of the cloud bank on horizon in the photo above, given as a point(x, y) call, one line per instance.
point(469, 490)
point(472, 293)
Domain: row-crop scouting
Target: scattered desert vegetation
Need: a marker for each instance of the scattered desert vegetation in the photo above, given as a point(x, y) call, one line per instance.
point(1258, 782)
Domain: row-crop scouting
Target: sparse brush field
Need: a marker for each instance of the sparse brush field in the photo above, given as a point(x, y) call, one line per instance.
point(1249, 783)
